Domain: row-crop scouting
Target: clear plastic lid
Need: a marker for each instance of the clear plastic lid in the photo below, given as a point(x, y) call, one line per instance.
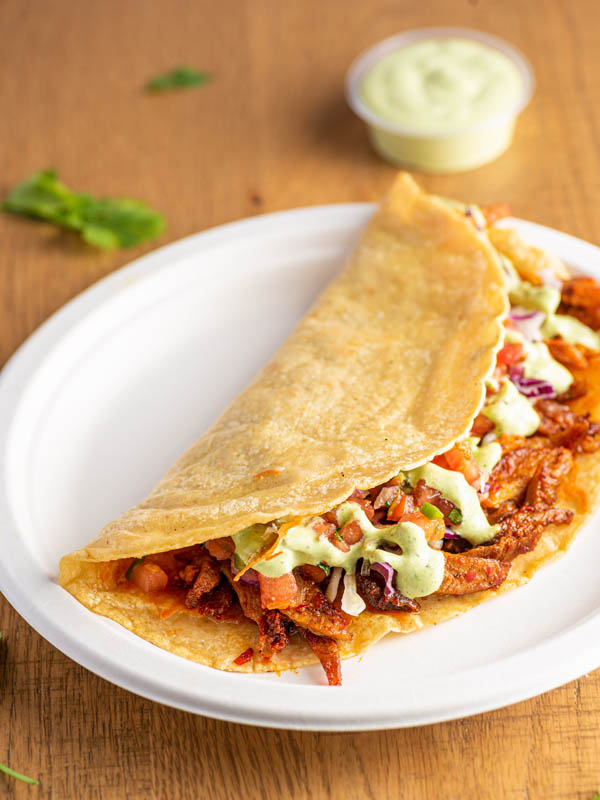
point(366, 60)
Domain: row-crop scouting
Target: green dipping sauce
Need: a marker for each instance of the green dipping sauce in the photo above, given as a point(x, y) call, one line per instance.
point(419, 569)
point(441, 86)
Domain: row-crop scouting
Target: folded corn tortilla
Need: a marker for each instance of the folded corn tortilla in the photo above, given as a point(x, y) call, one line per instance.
point(384, 372)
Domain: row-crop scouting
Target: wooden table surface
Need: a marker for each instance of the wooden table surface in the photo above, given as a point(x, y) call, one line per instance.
point(271, 132)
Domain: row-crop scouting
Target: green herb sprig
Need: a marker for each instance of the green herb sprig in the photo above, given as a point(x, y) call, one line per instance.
point(178, 78)
point(102, 222)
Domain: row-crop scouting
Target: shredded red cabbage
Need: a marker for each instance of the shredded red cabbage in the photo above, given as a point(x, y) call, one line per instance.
point(518, 313)
point(250, 577)
point(387, 573)
point(450, 534)
point(530, 387)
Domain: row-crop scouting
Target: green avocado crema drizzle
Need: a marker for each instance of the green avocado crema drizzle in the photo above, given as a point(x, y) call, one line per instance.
point(419, 569)
point(570, 330)
point(511, 412)
point(453, 486)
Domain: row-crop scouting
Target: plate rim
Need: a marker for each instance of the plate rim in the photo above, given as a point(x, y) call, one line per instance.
point(22, 366)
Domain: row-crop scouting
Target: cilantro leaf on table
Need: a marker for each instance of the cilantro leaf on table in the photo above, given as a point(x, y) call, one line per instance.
point(103, 222)
point(178, 78)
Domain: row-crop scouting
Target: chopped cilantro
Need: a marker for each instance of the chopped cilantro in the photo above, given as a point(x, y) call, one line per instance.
point(325, 567)
point(456, 517)
point(178, 78)
point(431, 511)
point(339, 535)
point(102, 222)
point(407, 487)
point(132, 565)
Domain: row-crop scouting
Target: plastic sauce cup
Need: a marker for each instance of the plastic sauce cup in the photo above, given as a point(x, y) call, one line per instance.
point(442, 150)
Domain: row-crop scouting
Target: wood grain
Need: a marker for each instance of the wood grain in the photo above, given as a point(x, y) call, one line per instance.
point(271, 132)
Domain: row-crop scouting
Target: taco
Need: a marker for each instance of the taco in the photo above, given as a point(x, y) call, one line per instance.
point(415, 447)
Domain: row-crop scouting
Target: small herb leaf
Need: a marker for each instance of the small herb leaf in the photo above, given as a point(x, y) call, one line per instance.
point(178, 78)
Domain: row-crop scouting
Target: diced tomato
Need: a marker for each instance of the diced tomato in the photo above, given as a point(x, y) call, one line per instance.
point(510, 354)
point(357, 497)
point(279, 592)
point(482, 425)
point(460, 459)
point(149, 577)
point(403, 504)
point(434, 528)
point(244, 657)
point(221, 549)
point(351, 533)
point(322, 528)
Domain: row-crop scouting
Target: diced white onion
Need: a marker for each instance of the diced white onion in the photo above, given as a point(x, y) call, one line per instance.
point(352, 602)
point(334, 582)
point(489, 438)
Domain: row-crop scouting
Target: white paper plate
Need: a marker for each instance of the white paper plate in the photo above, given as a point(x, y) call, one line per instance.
point(106, 394)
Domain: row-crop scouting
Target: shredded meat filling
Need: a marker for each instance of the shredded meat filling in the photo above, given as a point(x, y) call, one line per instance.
point(273, 628)
point(326, 650)
point(542, 489)
point(315, 612)
point(565, 428)
point(510, 478)
point(220, 603)
point(520, 532)
point(464, 574)
point(580, 298)
point(208, 575)
point(568, 354)
point(372, 593)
